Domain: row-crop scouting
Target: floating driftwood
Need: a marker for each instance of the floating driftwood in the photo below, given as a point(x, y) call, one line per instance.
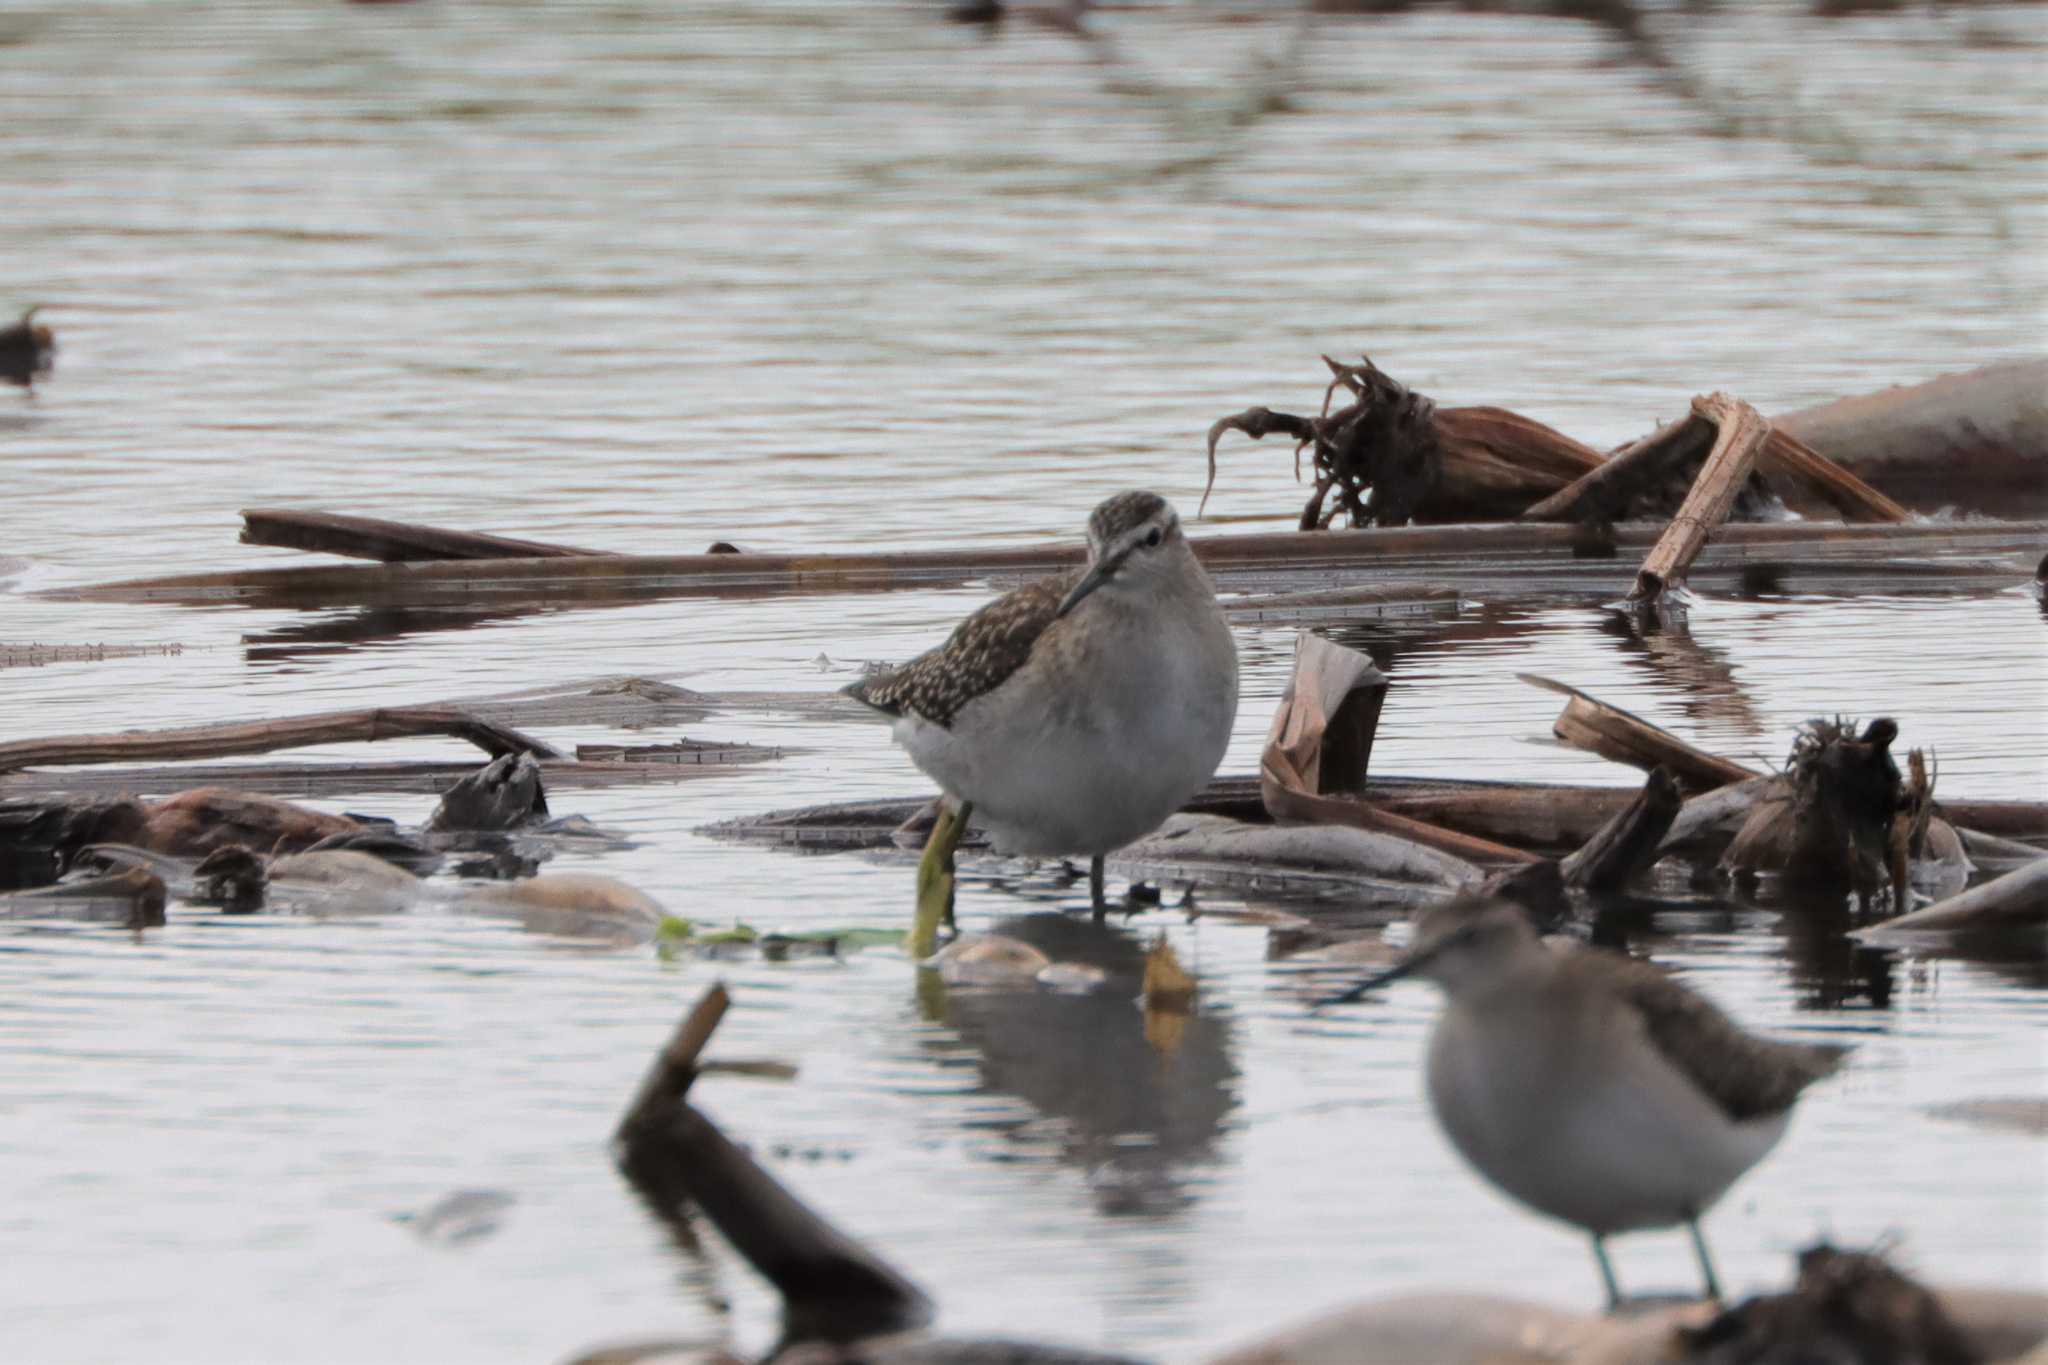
point(1500, 557)
point(2016, 903)
point(1215, 850)
point(317, 780)
point(486, 722)
point(392, 542)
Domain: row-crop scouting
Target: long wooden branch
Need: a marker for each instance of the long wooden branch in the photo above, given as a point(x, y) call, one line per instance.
point(392, 542)
point(266, 736)
point(1741, 433)
point(1480, 554)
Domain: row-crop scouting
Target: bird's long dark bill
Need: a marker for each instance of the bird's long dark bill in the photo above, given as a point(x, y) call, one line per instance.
point(1404, 967)
point(1098, 574)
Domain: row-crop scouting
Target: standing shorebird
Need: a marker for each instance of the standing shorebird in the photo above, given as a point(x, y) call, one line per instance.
point(1077, 712)
point(1591, 1086)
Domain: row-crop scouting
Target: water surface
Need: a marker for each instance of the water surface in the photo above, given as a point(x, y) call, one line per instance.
point(816, 276)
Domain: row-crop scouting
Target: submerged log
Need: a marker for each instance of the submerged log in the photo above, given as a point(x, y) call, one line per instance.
point(1591, 724)
point(1984, 430)
point(392, 542)
point(266, 736)
point(196, 822)
point(1626, 845)
point(133, 898)
point(1740, 433)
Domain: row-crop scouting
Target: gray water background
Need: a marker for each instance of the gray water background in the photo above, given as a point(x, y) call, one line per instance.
point(642, 276)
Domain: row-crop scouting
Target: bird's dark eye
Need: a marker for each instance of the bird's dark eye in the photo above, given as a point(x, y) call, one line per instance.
point(1153, 537)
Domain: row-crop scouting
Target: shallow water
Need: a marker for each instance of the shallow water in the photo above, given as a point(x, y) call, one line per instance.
point(813, 276)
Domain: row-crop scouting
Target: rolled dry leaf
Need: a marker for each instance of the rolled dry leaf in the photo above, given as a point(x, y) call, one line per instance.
point(1320, 739)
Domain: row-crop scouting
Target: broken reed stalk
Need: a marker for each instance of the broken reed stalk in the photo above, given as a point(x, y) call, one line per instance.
point(389, 542)
point(1628, 844)
point(266, 736)
point(1609, 491)
point(1910, 822)
point(1790, 460)
point(1605, 493)
point(1741, 433)
point(1591, 724)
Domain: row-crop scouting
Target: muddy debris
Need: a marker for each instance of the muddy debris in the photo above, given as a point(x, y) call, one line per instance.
point(28, 351)
point(504, 794)
point(132, 898)
point(1829, 823)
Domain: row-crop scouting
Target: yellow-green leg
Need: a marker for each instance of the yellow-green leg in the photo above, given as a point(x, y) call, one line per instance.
point(935, 879)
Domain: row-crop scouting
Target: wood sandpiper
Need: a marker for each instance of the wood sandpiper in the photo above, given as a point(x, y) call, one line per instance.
point(1076, 713)
point(1592, 1086)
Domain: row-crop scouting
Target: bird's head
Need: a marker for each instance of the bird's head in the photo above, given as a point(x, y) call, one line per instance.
point(1460, 945)
point(1134, 539)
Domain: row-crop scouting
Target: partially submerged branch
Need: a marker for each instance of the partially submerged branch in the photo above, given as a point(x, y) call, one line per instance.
point(1628, 844)
point(391, 542)
point(833, 1288)
point(266, 736)
point(1739, 434)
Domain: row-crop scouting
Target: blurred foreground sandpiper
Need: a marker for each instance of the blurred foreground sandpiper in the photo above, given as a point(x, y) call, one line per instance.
point(1592, 1086)
point(1077, 712)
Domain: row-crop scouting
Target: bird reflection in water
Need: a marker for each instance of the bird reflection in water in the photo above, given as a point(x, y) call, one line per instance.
point(1136, 1096)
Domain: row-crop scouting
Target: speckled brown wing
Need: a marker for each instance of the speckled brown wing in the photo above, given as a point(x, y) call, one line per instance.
point(983, 650)
point(1747, 1077)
